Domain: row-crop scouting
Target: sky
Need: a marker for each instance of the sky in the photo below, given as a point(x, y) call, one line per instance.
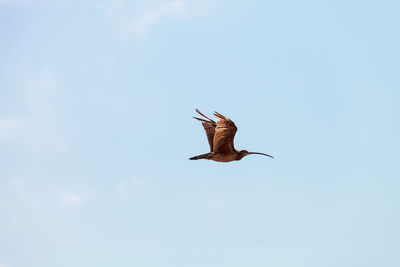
point(96, 128)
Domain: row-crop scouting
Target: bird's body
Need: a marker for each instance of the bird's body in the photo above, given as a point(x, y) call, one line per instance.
point(221, 157)
point(220, 136)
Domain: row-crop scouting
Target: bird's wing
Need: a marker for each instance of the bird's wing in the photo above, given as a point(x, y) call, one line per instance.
point(210, 131)
point(224, 135)
point(209, 126)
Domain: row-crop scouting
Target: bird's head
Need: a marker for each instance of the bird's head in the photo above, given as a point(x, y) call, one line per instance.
point(243, 153)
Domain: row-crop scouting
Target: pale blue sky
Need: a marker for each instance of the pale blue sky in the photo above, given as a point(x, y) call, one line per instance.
point(96, 128)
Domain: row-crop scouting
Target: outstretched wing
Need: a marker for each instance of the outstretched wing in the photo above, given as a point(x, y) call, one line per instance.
point(224, 135)
point(209, 126)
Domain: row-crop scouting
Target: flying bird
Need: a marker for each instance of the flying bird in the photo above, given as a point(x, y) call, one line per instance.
point(220, 136)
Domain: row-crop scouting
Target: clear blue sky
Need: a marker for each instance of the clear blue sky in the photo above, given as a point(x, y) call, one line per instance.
point(96, 128)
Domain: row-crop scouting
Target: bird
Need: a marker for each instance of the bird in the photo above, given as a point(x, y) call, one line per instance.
point(220, 137)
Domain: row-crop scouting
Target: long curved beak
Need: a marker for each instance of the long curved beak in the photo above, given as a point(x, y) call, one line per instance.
point(261, 154)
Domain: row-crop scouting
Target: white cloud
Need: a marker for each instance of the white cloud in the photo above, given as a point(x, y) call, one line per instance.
point(3, 265)
point(71, 199)
point(137, 19)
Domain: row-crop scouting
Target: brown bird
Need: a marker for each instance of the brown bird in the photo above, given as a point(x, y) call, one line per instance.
point(220, 136)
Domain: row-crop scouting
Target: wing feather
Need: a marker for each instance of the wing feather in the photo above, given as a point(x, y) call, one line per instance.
point(210, 131)
point(209, 127)
point(224, 135)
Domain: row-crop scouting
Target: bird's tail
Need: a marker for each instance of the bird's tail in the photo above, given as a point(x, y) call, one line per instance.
point(203, 156)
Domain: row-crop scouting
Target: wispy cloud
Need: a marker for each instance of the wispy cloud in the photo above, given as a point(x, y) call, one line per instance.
point(3, 265)
point(8, 2)
point(22, 2)
point(37, 125)
point(41, 88)
point(140, 23)
point(139, 18)
point(71, 198)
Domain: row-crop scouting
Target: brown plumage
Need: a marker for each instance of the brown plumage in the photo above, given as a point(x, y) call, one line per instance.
point(220, 136)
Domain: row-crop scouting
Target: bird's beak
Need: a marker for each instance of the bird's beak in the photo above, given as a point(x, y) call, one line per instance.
point(261, 154)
